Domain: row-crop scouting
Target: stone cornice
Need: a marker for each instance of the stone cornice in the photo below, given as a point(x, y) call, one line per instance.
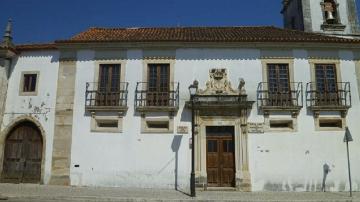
point(175, 45)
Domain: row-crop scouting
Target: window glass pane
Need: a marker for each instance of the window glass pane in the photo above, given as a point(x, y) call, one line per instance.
point(33, 82)
point(278, 78)
point(153, 77)
point(109, 80)
point(219, 130)
point(164, 74)
point(325, 78)
point(212, 146)
point(29, 82)
point(228, 146)
point(115, 77)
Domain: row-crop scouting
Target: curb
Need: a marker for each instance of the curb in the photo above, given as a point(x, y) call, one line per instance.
point(127, 199)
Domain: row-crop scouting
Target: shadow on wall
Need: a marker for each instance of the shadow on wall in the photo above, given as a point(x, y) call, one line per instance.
point(310, 186)
point(175, 145)
point(326, 168)
point(185, 115)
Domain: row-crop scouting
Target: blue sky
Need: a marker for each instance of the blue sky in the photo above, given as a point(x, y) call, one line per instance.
point(49, 20)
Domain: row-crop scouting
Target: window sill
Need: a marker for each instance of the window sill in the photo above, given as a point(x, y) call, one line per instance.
point(157, 109)
point(106, 130)
point(107, 108)
point(329, 129)
point(333, 27)
point(28, 94)
point(157, 132)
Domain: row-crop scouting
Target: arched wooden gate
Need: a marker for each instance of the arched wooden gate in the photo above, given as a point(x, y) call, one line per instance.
point(23, 154)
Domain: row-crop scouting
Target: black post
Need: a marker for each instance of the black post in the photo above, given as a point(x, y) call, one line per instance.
point(347, 148)
point(192, 177)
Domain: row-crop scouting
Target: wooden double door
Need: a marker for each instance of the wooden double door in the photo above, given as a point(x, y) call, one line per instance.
point(220, 157)
point(23, 155)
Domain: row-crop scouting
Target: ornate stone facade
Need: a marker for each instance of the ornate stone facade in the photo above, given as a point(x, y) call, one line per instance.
point(229, 110)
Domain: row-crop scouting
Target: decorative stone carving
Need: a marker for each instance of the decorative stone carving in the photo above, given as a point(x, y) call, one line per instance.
point(219, 84)
point(241, 87)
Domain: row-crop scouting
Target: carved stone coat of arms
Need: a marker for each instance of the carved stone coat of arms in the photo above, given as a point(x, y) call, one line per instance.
point(219, 84)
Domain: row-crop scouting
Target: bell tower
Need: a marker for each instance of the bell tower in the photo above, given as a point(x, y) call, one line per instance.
point(333, 17)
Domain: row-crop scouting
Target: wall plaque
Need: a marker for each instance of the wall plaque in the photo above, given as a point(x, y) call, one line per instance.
point(255, 127)
point(182, 130)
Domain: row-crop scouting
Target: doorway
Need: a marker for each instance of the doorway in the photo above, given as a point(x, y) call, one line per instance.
point(23, 154)
point(220, 156)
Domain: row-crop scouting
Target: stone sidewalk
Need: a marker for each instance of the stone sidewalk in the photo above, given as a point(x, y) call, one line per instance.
point(44, 193)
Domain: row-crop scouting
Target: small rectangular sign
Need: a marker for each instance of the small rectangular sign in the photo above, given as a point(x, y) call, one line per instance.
point(255, 127)
point(182, 130)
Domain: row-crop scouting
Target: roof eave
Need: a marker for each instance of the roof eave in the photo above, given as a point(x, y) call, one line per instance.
point(177, 44)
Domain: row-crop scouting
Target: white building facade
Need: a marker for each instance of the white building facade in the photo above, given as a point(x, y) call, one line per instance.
point(111, 107)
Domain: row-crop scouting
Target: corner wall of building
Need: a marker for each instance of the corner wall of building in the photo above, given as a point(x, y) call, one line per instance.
point(39, 107)
point(4, 69)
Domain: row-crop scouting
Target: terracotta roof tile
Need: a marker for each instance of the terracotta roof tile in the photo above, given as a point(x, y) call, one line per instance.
point(28, 47)
point(202, 34)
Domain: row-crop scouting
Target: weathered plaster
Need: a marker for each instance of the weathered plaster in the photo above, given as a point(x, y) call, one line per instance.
point(3, 86)
point(40, 107)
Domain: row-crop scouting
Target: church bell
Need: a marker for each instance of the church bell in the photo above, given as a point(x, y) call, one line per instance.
point(330, 16)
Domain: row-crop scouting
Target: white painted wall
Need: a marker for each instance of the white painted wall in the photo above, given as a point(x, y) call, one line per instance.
point(129, 159)
point(40, 107)
point(278, 161)
point(281, 161)
point(294, 161)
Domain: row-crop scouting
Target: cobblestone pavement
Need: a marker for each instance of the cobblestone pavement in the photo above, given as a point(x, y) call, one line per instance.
point(45, 193)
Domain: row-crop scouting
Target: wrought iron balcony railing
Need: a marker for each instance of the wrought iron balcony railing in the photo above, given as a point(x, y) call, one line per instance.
point(281, 99)
point(112, 97)
point(338, 96)
point(156, 99)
